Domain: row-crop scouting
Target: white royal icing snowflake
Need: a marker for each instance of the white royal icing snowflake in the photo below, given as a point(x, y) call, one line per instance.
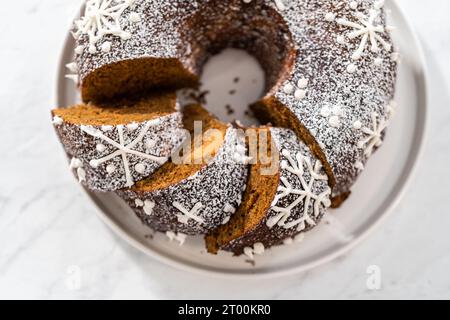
point(101, 18)
point(123, 150)
point(374, 136)
point(306, 195)
point(368, 30)
point(187, 215)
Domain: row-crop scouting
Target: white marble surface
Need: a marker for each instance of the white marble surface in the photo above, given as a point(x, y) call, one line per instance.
point(50, 236)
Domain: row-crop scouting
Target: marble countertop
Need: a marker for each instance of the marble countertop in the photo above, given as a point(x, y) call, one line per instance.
point(52, 244)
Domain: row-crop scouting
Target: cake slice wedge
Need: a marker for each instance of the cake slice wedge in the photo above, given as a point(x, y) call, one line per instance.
point(276, 207)
point(199, 189)
point(112, 147)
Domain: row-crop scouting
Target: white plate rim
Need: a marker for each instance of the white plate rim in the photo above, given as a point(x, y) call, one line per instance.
point(413, 164)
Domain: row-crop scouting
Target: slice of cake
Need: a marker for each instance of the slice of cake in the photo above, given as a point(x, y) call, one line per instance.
point(199, 189)
point(114, 147)
point(277, 206)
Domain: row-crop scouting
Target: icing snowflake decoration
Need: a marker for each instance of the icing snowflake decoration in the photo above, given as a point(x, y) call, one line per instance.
point(374, 136)
point(123, 151)
point(368, 30)
point(305, 194)
point(187, 215)
point(101, 18)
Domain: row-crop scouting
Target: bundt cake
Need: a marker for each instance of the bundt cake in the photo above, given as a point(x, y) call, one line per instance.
point(330, 79)
point(204, 190)
point(330, 65)
point(279, 206)
point(113, 147)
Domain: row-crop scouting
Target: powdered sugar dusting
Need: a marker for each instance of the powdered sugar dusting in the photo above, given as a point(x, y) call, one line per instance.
point(295, 209)
point(150, 32)
point(367, 89)
point(116, 157)
point(195, 205)
point(345, 53)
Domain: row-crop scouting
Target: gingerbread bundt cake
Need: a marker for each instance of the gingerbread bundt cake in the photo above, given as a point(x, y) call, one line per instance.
point(330, 78)
point(203, 191)
point(330, 65)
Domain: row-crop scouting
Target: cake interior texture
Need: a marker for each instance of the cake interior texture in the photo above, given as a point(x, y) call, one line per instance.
point(262, 32)
point(259, 194)
point(191, 156)
point(121, 112)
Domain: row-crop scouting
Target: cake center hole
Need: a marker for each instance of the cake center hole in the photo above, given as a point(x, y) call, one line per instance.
point(233, 79)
